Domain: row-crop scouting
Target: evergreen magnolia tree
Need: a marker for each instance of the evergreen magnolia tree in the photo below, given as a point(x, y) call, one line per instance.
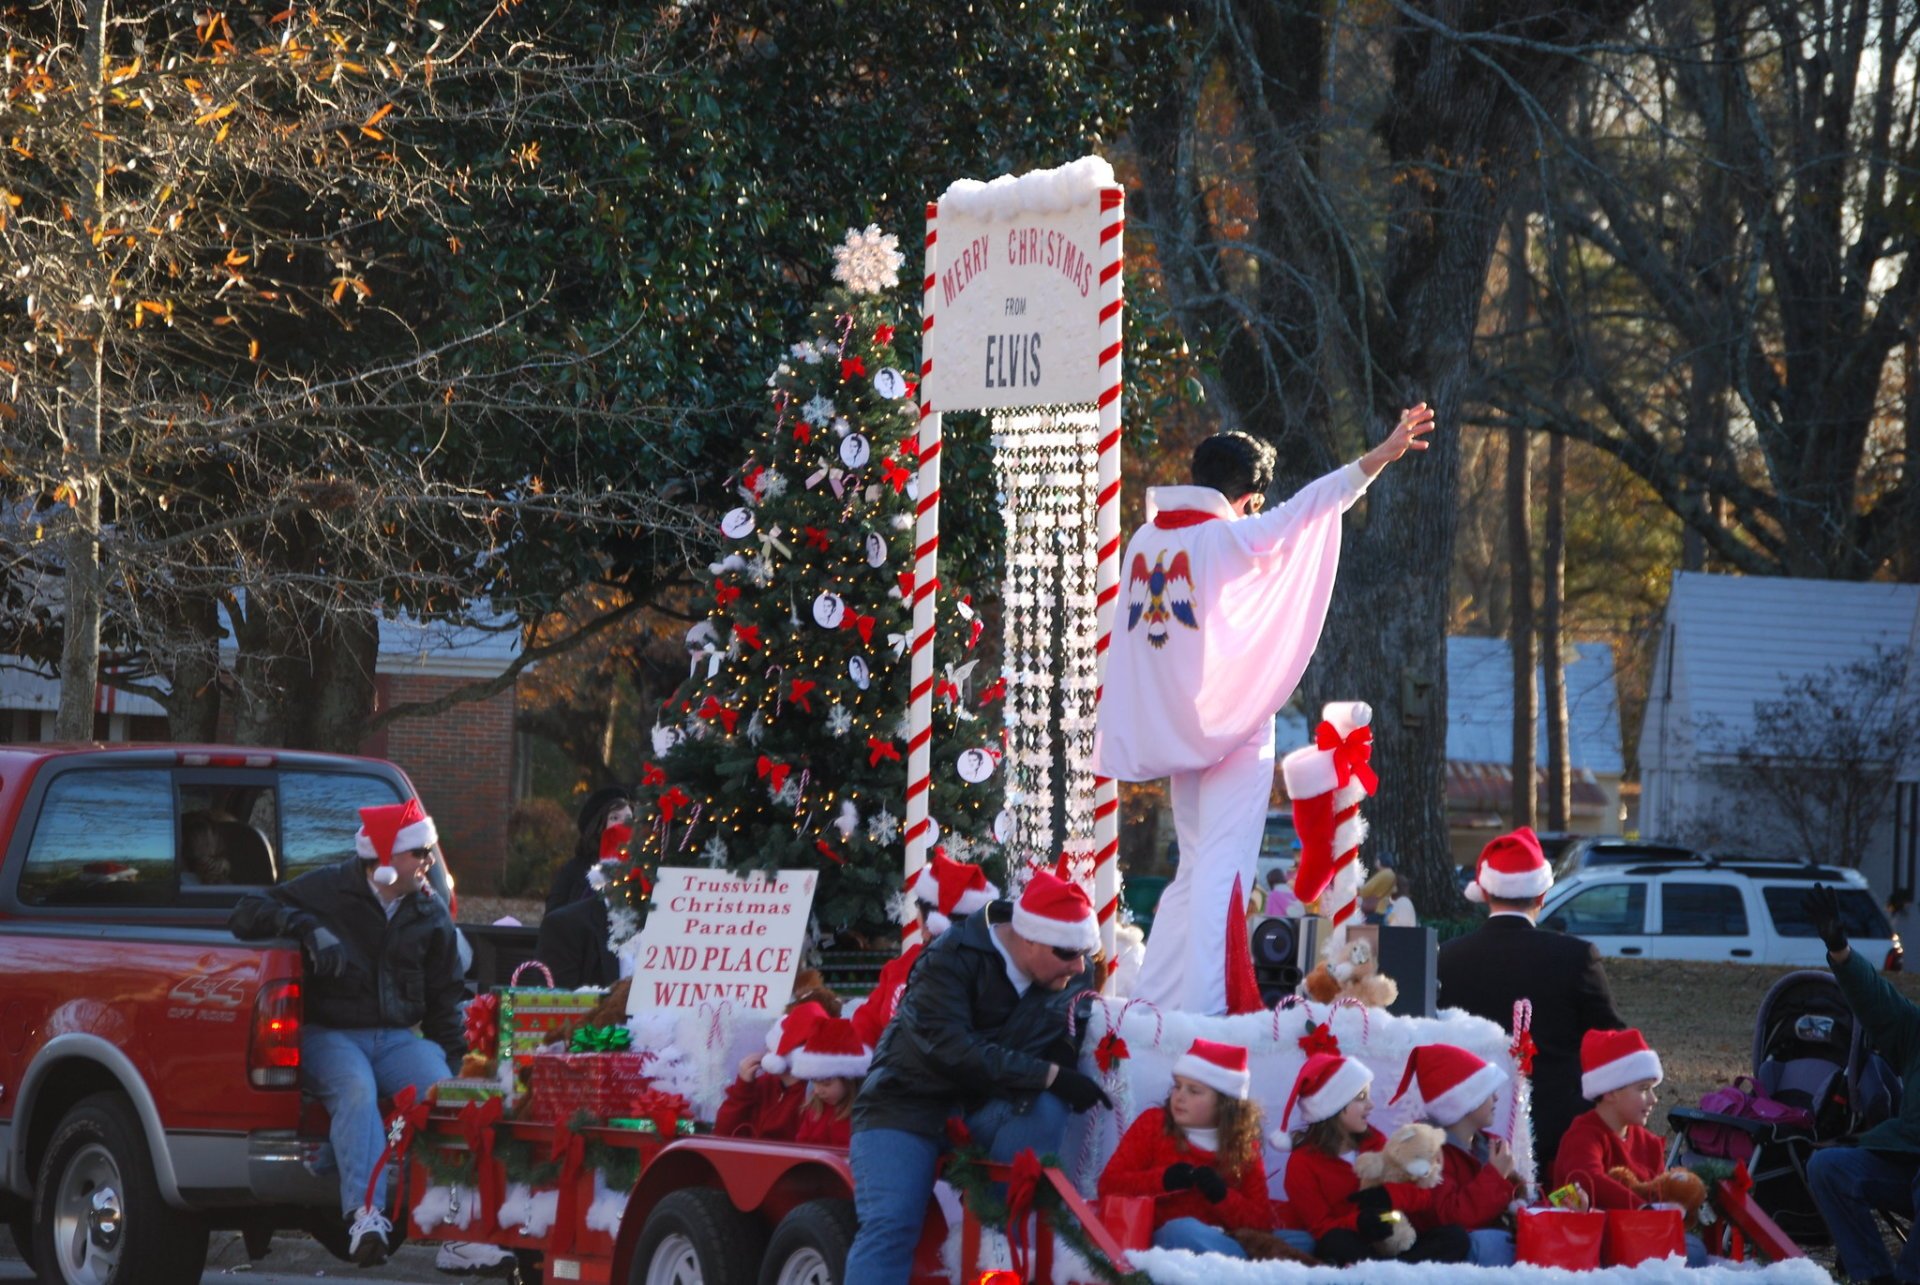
point(786, 747)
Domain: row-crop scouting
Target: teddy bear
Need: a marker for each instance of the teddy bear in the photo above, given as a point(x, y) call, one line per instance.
point(1412, 1155)
point(1681, 1187)
point(1351, 970)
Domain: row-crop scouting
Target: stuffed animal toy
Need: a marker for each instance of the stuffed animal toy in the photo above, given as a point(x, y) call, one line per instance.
point(1412, 1155)
point(1351, 969)
point(1680, 1187)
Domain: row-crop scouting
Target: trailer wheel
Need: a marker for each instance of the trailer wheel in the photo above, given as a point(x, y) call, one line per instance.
point(810, 1245)
point(696, 1237)
point(98, 1215)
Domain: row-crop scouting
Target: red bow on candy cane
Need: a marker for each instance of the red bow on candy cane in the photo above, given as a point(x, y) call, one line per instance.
point(482, 1023)
point(1023, 1184)
point(1352, 756)
point(797, 693)
point(1522, 1049)
point(671, 802)
point(651, 775)
point(712, 710)
point(1109, 1050)
point(854, 620)
point(878, 749)
point(775, 773)
point(1319, 1039)
point(897, 477)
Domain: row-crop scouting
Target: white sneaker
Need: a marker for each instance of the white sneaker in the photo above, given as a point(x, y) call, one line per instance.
point(473, 1258)
point(368, 1236)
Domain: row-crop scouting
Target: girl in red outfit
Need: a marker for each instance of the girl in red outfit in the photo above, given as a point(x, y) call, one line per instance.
point(1333, 1097)
point(764, 1100)
point(1620, 1075)
point(1200, 1156)
point(832, 1061)
point(1479, 1181)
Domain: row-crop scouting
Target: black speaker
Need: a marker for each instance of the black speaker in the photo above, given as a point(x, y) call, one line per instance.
point(1284, 951)
point(1410, 956)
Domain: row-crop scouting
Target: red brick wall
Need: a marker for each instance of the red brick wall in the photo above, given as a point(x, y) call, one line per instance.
point(461, 761)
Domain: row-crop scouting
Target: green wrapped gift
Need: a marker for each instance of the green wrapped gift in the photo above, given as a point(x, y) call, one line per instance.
point(601, 1039)
point(534, 1016)
point(685, 1128)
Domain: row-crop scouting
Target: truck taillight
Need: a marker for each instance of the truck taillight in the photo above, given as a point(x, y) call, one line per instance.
point(273, 1058)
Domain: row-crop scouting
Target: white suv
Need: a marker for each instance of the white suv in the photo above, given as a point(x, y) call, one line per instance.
point(1746, 914)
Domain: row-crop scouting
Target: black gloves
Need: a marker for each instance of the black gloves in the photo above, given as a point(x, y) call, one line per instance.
point(1208, 1182)
point(1376, 1211)
point(1178, 1177)
point(1823, 907)
point(327, 957)
point(1078, 1091)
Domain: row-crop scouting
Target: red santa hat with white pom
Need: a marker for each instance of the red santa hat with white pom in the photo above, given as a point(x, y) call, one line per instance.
point(948, 888)
point(1512, 868)
point(1452, 1082)
point(1053, 912)
point(391, 828)
point(787, 1034)
point(1221, 1067)
point(832, 1048)
point(1324, 1087)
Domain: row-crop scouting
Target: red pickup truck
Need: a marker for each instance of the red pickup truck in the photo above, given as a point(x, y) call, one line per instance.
point(149, 1062)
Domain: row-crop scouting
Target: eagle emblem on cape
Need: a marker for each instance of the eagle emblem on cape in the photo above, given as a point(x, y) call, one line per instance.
point(1159, 593)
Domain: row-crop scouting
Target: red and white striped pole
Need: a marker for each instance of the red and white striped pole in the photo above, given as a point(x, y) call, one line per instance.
point(1106, 792)
point(926, 548)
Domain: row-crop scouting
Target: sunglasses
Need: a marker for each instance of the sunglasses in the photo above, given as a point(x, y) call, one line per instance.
point(1065, 954)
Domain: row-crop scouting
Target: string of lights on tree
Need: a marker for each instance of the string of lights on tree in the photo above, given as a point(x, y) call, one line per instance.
point(786, 746)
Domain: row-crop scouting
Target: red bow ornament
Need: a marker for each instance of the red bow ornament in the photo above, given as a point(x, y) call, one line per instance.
point(774, 773)
point(651, 775)
point(814, 536)
point(1319, 1039)
point(854, 620)
point(750, 635)
point(878, 749)
point(993, 691)
point(797, 693)
point(1352, 756)
point(882, 335)
point(482, 1024)
point(1522, 1047)
point(476, 1127)
point(666, 1110)
point(851, 366)
point(713, 711)
point(897, 476)
point(1023, 1185)
point(724, 593)
point(671, 802)
point(1109, 1050)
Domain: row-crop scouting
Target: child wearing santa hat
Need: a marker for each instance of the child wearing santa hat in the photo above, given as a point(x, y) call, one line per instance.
point(765, 1097)
point(832, 1060)
point(1621, 1076)
point(1199, 1153)
point(1458, 1091)
point(1333, 1095)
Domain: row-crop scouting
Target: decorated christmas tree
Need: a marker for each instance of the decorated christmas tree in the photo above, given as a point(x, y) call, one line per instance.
point(786, 747)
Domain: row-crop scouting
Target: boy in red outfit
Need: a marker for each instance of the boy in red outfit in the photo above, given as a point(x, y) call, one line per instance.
point(1620, 1075)
point(1479, 1181)
point(1200, 1156)
point(1334, 1097)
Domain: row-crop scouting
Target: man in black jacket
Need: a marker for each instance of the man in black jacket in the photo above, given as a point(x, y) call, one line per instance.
point(382, 958)
point(1508, 959)
point(981, 1034)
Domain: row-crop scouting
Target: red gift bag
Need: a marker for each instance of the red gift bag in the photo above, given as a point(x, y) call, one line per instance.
point(1559, 1238)
point(1635, 1235)
point(1130, 1219)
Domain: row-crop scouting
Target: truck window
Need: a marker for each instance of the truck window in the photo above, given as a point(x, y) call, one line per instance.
point(1702, 910)
point(103, 838)
point(1859, 913)
point(319, 813)
point(227, 835)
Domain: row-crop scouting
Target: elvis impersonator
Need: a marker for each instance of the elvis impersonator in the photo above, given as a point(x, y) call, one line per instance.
point(1224, 606)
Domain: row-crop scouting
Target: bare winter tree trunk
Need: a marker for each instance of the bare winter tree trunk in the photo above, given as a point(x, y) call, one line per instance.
point(80, 654)
point(1553, 638)
point(193, 697)
point(1520, 633)
point(339, 692)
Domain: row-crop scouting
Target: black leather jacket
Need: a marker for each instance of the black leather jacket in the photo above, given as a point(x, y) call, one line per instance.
point(962, 1035)
point(401, 972)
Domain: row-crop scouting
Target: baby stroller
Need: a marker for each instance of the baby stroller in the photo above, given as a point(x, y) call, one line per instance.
point(1812, 1059)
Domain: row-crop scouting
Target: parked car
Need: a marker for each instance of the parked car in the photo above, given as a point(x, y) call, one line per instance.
point(1708, 910)
point(1599, 851)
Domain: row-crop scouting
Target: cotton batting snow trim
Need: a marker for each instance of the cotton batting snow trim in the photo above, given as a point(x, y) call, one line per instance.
point(608, 1206)
point(449, 1206)
point(1052, 191)
point(1178, 1267)
point(529, 1210)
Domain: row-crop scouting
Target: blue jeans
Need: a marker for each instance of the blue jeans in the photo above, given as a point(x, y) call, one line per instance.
point(350, 1071)
point(1197, 1237)
point(1491, 1247)
point(1849, 1184)
point(893, 1171)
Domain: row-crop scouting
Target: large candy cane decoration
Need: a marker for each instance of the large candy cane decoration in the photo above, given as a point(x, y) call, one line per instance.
point(1106, 791)
point(926, 548)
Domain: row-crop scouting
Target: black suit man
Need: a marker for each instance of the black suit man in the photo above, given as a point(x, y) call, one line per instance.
point(1508, 959)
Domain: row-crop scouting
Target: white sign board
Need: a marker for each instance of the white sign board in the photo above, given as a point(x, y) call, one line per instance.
point(1016, 305)
point(713, 936)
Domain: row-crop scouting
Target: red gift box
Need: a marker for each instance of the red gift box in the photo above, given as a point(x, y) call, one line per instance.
point(1559, 1238)
point(604, 1085)
point(1636, 1235)
point(1129, 1219)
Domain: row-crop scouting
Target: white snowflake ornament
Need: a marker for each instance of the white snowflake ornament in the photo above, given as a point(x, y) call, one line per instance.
point(882, 827)
point(715, 852)
point(839, 719)
point(868, 261)
point(817, 411)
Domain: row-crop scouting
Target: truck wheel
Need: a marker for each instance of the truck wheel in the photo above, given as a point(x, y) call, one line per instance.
point(98, 1215)
point(696, 1237)
point(810, 1245)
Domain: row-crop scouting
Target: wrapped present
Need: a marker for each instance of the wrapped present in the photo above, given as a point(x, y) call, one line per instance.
point(562, 1085)
point(531, 1017)
point(467, 1089)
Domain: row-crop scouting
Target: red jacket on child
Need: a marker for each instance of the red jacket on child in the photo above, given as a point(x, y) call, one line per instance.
point(1471, 1194)
point(1321, 1187)
point(824, 1126)
point(1139, 1168)
point(762, 1107)
point(1589, 1148)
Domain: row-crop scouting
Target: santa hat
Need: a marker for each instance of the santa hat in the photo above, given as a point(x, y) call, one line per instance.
point(1221, 1067)
point(789, 1033)
point(614, 840)
point(1053, 912)
point(1512, 868)
point(1324, 1087)
point(832, 1048)
point(949, 888)
point(1452, 1081)
point(391, 828)
point(1612, 1060)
